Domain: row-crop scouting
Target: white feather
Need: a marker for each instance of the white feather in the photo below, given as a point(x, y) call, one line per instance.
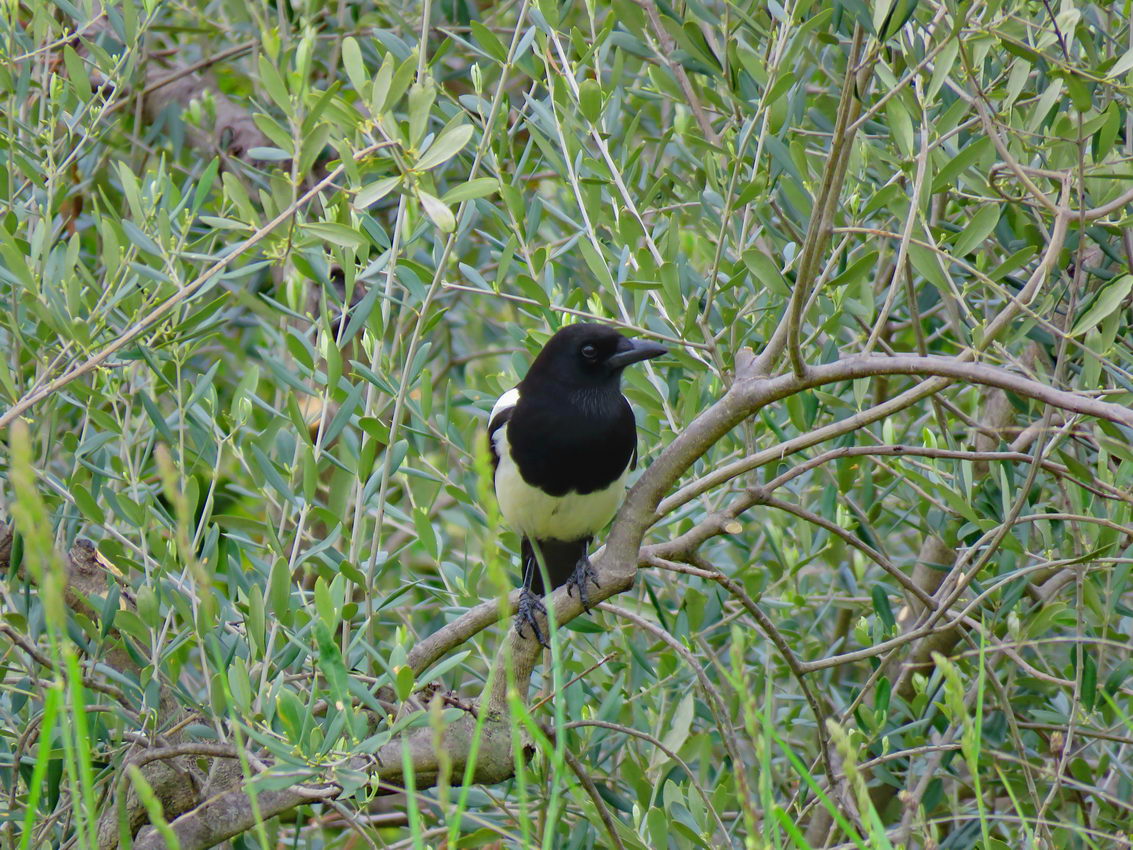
point(505, 401)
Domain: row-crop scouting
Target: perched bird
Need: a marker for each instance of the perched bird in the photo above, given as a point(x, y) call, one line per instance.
point(563, 442)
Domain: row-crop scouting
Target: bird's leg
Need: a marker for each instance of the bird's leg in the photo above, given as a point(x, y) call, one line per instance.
point(583, 574)
point(530, 605)
point(526, 614)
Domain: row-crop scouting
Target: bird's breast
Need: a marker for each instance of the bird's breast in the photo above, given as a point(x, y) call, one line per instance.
point(535, 513)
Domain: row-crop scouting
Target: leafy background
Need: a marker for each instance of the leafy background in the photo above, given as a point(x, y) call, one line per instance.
point(265, 267)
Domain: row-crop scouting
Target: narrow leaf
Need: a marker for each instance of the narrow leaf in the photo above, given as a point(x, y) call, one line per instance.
point(1108, 300)
point(436, 210)
point(447, 145)
point(371, 193)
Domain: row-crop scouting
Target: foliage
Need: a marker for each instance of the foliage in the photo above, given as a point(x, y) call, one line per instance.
point(257, 374)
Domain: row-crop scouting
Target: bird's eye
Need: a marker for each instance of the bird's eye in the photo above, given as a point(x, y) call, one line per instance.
point(589, 352)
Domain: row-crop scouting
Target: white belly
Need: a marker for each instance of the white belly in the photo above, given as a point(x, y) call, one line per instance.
point(534, 514)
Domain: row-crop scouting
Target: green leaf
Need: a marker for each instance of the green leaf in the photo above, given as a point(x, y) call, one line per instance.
point(596, 264)
point(445, 147)
point(1089, 678)
point(1108, 300)
point(1046, 102)
point(478, 188)
point(900, 126)
point(404, 680)
point(274, 479)
point(293, 715)
point(678, 730)
point(488, 41)
point(239, 684)
point(882, 608)
point(895, 17)
point(425, 532)
point(590, 100)
point(87, 504)
point(766, 271)
point(273, 83)
point(254, 623)
point(421, 97)
point(436, 210)
point(345, 412)
point(1122, 65)
point(659, 825)
point(941, 67)
point(927, 263)
point(954, 166)
point(1023, 51)
point(857, 270)
point(371, 193)
point(783, 84)
point(978, 229)
point(355, 68)
point(77, 71)
point(331, 666)
point(337, 234)
point(380, 94)
point(279, 590)
point(324, 603)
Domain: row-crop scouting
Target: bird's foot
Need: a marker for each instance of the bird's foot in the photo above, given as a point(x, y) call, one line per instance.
point(529, 607)
point(583, 574)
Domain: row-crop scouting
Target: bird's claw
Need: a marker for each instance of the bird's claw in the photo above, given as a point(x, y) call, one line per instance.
point(583, 574)
point(526, 613)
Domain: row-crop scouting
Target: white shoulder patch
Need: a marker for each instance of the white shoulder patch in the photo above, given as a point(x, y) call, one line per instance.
point(505, 401)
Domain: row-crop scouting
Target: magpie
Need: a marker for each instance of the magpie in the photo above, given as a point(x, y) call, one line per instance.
point(563, 442)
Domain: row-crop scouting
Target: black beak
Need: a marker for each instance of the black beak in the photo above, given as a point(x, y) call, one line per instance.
point(633, 351)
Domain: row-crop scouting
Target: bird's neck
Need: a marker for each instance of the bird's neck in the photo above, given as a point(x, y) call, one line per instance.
point(588, 401)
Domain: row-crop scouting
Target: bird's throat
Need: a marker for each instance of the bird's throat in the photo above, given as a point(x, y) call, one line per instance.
point(596, 402)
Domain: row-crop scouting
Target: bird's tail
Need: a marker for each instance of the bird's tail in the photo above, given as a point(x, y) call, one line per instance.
point(559, 556)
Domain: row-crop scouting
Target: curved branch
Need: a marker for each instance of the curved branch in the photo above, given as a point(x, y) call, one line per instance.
point(852, 368)
point(617, 565)
point(473, 621)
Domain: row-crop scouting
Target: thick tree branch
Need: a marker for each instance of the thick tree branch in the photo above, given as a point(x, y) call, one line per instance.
point(617, 565)
point(761, 393)
point(473, 621)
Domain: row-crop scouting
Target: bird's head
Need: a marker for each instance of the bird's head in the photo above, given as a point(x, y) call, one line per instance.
point(587, 355)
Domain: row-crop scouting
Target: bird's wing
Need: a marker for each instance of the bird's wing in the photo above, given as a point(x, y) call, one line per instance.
point(501, 413)
point(632, 457)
